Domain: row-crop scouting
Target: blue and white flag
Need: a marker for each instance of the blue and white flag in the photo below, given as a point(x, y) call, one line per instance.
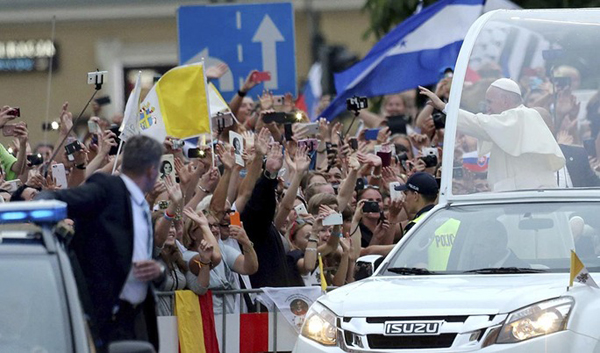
point(412, 54)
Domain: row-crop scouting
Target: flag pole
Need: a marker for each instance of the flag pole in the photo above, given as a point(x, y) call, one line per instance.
point(212, 142)
point(117, 157)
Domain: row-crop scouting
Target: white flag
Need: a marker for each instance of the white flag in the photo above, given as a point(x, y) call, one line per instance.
point(216, 103)
point(130, 126)
point(292, 302)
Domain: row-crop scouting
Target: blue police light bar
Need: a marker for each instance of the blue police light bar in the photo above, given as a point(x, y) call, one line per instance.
point(45, 211)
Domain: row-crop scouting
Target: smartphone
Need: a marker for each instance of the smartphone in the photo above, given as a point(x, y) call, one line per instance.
point(196, 153)
point(73, 147)
point(13, 185)
point(34, 159)
point(103, 100)
point(261, 76)
point(333, 220)
point(222, 120)
point(278, 100)
point(277, 117)
point(93, 127)
point(300, 209)
point(8, 129)
point(234, 219)
point(311, 144)
point(386, 158)
point(397, 124)
point(371, 134)
point(59, 175)
point(395, 194)
point(114, 128)
point(288, 133)
point(353, 142)
point(311, 128)
point(371, 207)
point(16, 111)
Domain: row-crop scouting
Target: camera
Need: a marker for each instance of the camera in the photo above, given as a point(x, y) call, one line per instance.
point(96, 78)
point(401, 157)
point(177, 144)
point(16, 111)
point(353, 142)
point(279, 118)
point(34, 159)
point(356, 103)
point(371, 207)
point(430, 160)
point(439, 119)
point(73, 147)
point(562, 82)
point(52, 126)
point(196, 153)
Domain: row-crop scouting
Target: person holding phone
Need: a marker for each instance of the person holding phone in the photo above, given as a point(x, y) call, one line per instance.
point(13, 166)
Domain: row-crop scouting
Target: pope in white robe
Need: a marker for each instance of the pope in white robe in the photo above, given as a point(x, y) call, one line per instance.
point(523, 152)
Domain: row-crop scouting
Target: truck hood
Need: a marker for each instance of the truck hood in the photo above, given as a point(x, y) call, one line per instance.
point(443, 294)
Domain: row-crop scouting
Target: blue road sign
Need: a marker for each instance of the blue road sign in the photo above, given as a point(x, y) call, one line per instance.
point(245, 37)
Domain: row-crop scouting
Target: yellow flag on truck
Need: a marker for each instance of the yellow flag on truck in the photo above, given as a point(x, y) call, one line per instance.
point(579, 272)
point(177, 105)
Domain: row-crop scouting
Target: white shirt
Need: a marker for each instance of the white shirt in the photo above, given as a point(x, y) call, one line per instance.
point(523, 152)
point(134, 291)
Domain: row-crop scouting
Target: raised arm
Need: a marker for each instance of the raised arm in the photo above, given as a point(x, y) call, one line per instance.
point(219, 199)
point(246, 264)
point(301, 164)
point(236, 101)
point(261, 143)
point(163, 224)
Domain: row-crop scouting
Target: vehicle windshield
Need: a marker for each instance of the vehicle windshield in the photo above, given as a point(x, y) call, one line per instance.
point(527, 236)
point(32, 311)
point(530, 104)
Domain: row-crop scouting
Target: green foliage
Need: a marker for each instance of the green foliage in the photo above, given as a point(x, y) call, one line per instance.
point(386, 14)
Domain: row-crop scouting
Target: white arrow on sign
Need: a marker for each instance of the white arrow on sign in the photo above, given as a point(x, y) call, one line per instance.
point(268, 34)
point(226, 81)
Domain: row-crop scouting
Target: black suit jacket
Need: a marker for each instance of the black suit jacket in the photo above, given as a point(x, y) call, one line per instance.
point(578, 166)
point(102, 247)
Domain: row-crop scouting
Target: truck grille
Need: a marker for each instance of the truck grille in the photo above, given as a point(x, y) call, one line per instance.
point(443, 340)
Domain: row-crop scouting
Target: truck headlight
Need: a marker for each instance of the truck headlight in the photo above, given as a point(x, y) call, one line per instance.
point(536, 320)
point(319, 325)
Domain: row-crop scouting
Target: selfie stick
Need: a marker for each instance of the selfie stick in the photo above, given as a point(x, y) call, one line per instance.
point(212, 139)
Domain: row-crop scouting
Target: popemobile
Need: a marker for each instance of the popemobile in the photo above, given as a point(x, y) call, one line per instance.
point(507, 259)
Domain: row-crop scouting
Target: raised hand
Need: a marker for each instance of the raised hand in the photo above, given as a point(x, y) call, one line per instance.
point(436, 102)
point(226, 155)
point(198, 218)
point(6, 114)
point(324, 134)
point(261, 141)
point(210, 179)
point(266, 100)
point(249, 83)
point(248, 139)
point(106, 140)
point(288, 103)
point(215, 72)
point(274, 159)
point(173, 190)
point(205, 250)
point(302, 160)
point(238, 233)
point(66, 119)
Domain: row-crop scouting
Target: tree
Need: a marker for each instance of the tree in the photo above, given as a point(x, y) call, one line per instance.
point(386, 14)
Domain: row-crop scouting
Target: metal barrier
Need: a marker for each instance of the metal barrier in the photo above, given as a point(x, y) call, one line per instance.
point(236, 292)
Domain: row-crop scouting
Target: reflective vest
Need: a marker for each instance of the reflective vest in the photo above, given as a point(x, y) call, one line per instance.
point(441, 245)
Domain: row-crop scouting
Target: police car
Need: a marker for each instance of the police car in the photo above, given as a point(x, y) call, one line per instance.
point(488, 271)
point(40, 309)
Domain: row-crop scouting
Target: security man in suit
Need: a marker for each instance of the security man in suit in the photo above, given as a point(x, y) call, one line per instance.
point(112, 249)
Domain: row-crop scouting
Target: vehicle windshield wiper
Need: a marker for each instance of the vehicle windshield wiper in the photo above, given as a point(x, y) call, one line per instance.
point(495, 270)
point(410, 271)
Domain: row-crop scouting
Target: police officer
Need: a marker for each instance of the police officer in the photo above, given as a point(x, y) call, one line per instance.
point(420, 190)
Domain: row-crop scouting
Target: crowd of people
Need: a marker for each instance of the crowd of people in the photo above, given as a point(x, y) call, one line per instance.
point(219, 224)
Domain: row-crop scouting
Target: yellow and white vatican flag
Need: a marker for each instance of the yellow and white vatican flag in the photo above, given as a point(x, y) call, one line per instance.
point(177, 105)
point(130, 126)
point(217, 103)
point(579, 272)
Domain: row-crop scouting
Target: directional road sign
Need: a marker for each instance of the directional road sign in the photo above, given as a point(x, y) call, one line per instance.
point(245, 37)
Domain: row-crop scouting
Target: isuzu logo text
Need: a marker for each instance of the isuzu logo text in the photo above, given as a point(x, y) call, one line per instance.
point(410, 328)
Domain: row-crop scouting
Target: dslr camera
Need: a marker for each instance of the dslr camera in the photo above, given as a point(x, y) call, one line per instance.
point(430, 160)
point(356, 103)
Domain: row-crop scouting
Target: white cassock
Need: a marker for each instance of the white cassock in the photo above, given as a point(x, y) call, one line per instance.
point(523, 152)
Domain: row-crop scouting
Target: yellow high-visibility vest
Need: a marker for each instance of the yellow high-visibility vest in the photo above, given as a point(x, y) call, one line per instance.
point(441, 245)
